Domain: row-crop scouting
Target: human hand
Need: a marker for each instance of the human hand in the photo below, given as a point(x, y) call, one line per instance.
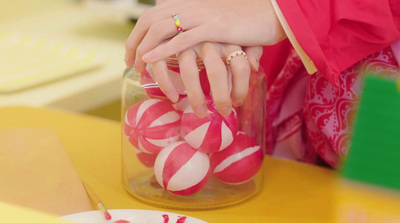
point(245, 23)
point(222, 87)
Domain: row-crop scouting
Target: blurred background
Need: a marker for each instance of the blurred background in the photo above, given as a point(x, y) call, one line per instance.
point(65, 54)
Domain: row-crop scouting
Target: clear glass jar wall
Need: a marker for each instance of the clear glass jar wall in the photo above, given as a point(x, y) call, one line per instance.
point(172, 158)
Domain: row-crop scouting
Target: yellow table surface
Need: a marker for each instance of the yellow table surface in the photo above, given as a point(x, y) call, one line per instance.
point(16, 214)
point(293, 192)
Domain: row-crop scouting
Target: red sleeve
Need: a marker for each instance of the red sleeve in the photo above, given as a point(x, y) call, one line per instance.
point(335, 34)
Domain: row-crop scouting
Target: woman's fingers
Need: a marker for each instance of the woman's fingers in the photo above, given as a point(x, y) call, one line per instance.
point(227, 21)
point(164, 30)
point(148, 18)
point(190, 77)
point(136, 37)
point(158, 32)
point(178, 44)
point(254, 54)
point(227, 88)
point(240, 69)
point(160, 72)
point(217, 76)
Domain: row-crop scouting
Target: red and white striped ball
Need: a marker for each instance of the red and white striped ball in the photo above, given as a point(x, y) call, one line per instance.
point(239, 162)
point(182, 170)
point(146, 159)
point(212, 133)
point(151, 125)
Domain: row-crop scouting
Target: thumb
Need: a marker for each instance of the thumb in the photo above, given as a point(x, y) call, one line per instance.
point(254, 54)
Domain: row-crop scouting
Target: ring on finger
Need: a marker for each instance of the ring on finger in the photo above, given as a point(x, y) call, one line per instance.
point(235, 54)
point(177, 23)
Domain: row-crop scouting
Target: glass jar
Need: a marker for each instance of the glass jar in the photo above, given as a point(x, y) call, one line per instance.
point(172, 158)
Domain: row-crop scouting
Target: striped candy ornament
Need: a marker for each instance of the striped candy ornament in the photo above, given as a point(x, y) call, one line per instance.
point(182, 170)
point(212, 133)
point(239, 162)
point(151, 125)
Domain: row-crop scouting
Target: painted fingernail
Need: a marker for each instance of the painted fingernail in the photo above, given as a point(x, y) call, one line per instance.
point(201, 111)
point(225, 111)
point(256, 64)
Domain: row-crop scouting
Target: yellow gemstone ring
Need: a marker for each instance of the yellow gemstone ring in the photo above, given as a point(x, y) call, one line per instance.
point(177, 23)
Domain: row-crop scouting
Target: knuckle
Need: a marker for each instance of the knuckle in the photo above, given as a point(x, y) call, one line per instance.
point(147, 11)
point(155, 28)
point(146, 15)
point(142, 21)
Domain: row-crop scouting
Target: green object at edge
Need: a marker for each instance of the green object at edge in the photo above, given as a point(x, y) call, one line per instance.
point(374, 156)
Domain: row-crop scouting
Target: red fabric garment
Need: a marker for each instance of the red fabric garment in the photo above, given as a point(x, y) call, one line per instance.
point(308, 117)
point(336, 34)
point(274, 58)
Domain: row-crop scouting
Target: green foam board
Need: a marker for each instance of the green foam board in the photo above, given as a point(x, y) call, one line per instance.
point(374, 156)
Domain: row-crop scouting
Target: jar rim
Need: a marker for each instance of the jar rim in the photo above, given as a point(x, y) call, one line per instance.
point(172, 61)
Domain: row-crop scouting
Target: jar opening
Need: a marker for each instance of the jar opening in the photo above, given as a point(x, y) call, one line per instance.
point(173, 62)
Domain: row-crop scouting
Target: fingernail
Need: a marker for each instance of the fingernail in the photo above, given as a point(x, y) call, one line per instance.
point(201, 111)
point(173, 96)
point(148, 56)
point(256, 64)
point(238, 103)
point(225, 111)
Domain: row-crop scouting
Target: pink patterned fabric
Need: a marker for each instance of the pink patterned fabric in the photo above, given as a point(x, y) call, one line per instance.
point(396, 50)
point(308, 118)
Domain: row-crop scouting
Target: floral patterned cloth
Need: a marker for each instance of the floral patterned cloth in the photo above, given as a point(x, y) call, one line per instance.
point(308, 118)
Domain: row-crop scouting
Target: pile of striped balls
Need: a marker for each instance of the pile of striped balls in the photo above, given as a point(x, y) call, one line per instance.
point(184, 150)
